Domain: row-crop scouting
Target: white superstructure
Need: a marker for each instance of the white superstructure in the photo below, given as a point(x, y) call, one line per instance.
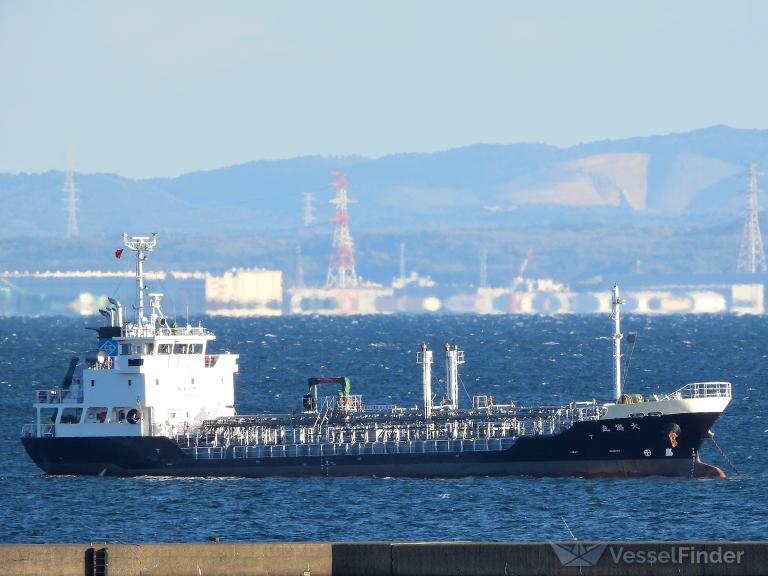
point(150, 377)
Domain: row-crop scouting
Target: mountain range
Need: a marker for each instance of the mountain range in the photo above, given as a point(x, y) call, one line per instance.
point(664, 187)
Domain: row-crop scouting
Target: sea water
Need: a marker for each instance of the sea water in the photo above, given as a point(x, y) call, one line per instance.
point(525, 359)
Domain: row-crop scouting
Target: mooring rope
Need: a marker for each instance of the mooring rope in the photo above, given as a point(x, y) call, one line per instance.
point(723, 454)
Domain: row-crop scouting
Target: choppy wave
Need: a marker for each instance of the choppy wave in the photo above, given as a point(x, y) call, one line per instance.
point(504, 354)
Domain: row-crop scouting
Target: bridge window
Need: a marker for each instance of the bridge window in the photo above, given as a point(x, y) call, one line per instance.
point(119, 414)
point(96, 415)
point(71, 415)
point(195, 348)
point(125, 349)
point(48, 415)
point(180, 349)
point(164, 348)
point(149, 348)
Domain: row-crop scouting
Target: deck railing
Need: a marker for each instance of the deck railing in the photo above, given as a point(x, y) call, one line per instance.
point(60, 395)
point(350, 448)
point(350, 403)
point(207, 452)
point(148, 330)
point(38, 430)
point(706, 390)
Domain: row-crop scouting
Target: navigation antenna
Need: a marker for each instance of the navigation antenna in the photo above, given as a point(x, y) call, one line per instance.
point(752, 253)
point(142, 245)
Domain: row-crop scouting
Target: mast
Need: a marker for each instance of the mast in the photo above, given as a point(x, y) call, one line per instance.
point(142, 245)
point(616, 303)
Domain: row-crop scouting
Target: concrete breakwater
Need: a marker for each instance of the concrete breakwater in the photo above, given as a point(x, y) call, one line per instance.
point(387, 558)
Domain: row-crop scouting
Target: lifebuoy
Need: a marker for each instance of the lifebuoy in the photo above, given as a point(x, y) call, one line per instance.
point(109, 362)
point(133, 416)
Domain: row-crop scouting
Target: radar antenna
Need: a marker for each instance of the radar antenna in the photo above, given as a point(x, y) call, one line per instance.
point(142, 245)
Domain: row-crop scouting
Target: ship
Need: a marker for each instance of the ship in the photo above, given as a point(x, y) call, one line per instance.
point(155, 399)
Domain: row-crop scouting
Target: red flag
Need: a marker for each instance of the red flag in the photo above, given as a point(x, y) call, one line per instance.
point(118, 253)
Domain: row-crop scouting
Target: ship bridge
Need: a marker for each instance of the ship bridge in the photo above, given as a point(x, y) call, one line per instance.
point(150, 376)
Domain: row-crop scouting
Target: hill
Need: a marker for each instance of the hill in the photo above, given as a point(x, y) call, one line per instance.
point(566, 201)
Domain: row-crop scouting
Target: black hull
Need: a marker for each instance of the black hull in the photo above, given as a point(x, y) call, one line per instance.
point(587, 449)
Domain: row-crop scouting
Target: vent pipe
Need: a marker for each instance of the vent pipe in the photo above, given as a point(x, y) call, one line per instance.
point(425, 359)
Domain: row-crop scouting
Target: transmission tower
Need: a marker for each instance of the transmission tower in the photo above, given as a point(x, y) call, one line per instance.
point(70, 198)
point(752, 253)
point(341, 266)
point(309, 208)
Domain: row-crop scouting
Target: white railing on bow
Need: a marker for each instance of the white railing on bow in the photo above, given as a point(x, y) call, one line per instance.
point(706, 390)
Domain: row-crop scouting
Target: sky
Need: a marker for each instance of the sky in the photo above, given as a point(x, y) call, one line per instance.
point(158, 88)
